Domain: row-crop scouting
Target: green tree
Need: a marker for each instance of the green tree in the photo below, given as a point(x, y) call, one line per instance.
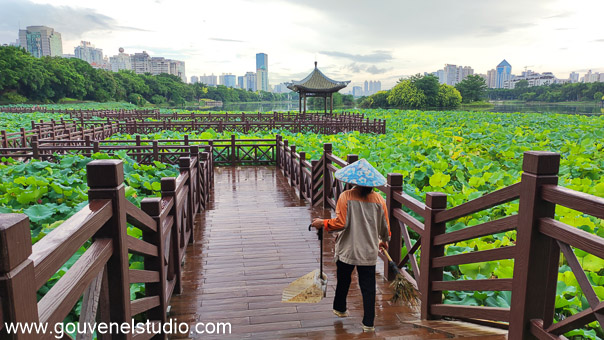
point(473, 88)
point(429, 85)
point(522, 84)
point(448, 96)
point(405, 94)
point(598, 96)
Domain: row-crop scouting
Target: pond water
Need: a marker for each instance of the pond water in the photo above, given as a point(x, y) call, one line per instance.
point(499, 106)
point(579, 108)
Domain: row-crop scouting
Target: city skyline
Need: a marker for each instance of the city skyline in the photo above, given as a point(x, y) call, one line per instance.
point(384, 41)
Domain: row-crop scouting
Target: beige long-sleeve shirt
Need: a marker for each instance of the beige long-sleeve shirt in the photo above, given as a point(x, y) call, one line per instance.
point(363, 222)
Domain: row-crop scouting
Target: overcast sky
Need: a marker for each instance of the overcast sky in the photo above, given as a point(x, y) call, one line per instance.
point(351, 39)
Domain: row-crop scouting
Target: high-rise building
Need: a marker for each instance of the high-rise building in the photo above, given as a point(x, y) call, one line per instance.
point(177, 68)
point(374, 86)
point(366, 88)
point(281, 88)
point(591, 77)
point(532, 79)
point(491, 78)
point(250, 81)
point(465, 72)
point(160, 65)
point(141, 63)
point(227, 79)
point(450, 72)
point(357, 91)
point(41, 41)
point(441, 76)
point(504, 73)
point(240, 82)
point(210, 80)
point(121, 61)
point(194, 79)
point(87, 52)
point(262, 72)
point(574, 77)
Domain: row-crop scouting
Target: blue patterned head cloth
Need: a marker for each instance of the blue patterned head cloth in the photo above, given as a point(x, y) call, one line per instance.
point(361, 173)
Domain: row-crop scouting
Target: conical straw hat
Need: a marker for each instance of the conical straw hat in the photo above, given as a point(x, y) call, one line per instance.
point(361, 173)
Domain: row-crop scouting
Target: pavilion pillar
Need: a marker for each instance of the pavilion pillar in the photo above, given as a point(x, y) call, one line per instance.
point(300, 100)
point(304, 103)
point(325, 103)
point(331, 105)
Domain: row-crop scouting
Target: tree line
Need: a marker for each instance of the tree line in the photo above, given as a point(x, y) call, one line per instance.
point(550, 93)
point(426, 92)
point(24, 78)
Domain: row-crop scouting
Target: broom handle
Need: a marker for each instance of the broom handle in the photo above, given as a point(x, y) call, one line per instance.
point(386, 253)
point(321, 266)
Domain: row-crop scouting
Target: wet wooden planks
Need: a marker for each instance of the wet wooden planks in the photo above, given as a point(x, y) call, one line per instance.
point(254, 242)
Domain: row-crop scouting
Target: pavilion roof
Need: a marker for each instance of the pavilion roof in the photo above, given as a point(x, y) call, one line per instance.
point(316, 81)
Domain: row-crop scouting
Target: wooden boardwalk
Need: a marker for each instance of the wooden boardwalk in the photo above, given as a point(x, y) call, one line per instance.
point(252, 243)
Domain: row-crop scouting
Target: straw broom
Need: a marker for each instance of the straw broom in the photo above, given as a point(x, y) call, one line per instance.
point(404, 291)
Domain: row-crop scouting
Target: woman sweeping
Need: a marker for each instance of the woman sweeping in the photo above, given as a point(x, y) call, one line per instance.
point(362, 219)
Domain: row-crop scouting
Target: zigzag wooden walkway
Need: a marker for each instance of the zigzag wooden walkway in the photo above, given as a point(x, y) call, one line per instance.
point(252, 243)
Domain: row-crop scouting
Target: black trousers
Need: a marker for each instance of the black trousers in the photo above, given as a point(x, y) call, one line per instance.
point(367, 284)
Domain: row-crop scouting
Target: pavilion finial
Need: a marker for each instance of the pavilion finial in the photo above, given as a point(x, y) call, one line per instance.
point(315, 64)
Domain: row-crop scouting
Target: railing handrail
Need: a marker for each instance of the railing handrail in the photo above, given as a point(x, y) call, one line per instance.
point(27, 268)
point(538, 183)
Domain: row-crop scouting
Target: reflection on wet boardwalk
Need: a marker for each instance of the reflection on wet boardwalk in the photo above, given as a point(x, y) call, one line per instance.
point(251, 244)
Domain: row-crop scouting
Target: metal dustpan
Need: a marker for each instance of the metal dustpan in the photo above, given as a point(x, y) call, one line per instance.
point(310, 288)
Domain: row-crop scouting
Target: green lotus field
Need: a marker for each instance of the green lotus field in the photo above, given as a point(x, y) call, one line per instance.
point(463, 154)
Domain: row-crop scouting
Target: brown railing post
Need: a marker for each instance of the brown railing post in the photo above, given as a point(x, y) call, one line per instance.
point(233, 150)
point(138, 151)
point(106, 181)
point(314, 169)
point(285, 162)
point(186, 164)
point(35, 152)
point(23, 138)
point(292, 162)
point(168, 187)
point(17, 287)
point(278, 139)
point(301, 174)
point(4, 139)
point(88, 145)
point(537, 256)
point(207, 168)
point(350, 158)
point(156, 151)
point(435, 202)
point(327, 148)
point(395, 184)
point(152, 206)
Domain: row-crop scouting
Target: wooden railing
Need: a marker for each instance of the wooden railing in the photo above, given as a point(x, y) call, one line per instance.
point(78, 113)
point(96, 130)
point(539, 241)
point(314, 125)
point(223, 151)
point(102, 273)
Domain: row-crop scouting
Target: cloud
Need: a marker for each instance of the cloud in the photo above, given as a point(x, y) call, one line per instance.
point(599, 40)
point(375, 70)
point(561, 15)
point(226, 40)
point(375, 57)
point(360, 68)
point(377, 24)
point(70, 21)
